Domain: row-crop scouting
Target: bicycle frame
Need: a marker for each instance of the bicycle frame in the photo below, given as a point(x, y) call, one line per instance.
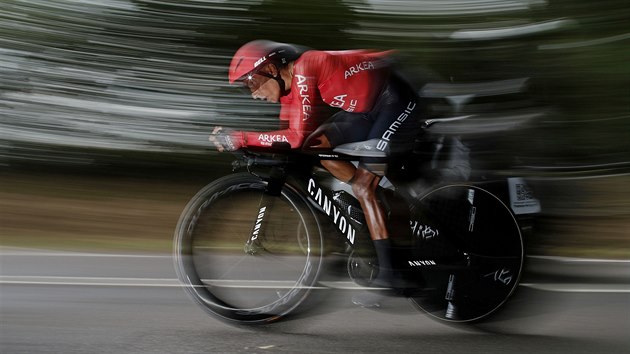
point(462, 252)
point(460, 262)
point(284, 170)
point(299, 169)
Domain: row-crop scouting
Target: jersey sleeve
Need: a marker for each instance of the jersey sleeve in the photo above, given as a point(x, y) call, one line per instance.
point(294, 134)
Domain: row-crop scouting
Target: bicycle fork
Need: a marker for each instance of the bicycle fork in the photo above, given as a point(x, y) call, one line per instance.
point(254, 244)
point(274, 187)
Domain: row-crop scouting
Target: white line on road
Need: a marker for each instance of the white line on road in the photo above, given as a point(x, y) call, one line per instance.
point(88, 281)
point(44, 253)
point(261, 284)
point(580, 260)
point(580, 288)
point(15, 251)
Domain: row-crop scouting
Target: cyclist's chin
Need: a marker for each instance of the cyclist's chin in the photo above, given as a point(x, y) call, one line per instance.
point(267, 98)
point(272, 99)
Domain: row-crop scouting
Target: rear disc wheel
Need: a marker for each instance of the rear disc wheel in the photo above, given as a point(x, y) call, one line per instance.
point(468, 250)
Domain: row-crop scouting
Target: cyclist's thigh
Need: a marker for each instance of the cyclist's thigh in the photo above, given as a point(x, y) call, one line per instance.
point(395, 117)
point(346, 127)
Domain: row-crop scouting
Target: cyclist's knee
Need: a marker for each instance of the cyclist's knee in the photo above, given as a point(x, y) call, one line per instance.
point(364, 184)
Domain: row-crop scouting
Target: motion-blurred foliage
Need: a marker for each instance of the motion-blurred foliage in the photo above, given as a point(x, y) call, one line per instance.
point(123, 85)
point(89, 82)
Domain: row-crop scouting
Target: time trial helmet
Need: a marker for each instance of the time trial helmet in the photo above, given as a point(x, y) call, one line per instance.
point(252, 56)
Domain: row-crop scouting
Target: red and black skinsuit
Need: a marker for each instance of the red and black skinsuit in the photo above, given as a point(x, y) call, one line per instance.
point(375, 102)
point(376, 105)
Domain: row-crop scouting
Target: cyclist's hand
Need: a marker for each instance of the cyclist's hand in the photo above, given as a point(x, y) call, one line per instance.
point(226, 139)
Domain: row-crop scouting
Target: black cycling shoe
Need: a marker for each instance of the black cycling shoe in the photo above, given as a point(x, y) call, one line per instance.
point(385, 278)
point(386, 284)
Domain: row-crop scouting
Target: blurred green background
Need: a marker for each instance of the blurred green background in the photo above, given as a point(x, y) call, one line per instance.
point(105, 105)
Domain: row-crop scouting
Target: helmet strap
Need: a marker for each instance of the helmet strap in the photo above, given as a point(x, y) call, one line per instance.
point(280, 81)
point(278, 78)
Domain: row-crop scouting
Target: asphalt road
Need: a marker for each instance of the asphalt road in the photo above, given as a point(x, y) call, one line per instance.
point(59, 302)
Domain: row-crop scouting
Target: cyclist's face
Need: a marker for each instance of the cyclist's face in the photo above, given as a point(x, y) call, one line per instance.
point(261, 85)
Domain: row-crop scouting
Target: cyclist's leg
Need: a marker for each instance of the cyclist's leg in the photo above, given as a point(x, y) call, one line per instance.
point(395, 125)
point(342, 170)
point(343, 127)
point(352, 127)
point(364, 185)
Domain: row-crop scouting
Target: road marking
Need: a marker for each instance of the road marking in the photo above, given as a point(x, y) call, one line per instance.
point(580, 288)
point(42, 253)
point(164, 282)
point(340, 285)
point(261, 284)
point(89, 281)
point(14, 251)
point(579, 260)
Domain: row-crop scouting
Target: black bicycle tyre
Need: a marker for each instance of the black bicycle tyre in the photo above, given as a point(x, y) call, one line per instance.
point(509, 250)
point(188, 268)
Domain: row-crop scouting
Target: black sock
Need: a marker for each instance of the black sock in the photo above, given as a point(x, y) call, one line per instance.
point(384, 255)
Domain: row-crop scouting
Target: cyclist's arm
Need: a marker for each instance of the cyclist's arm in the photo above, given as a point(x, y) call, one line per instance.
point(299, 109)
point(266, 139)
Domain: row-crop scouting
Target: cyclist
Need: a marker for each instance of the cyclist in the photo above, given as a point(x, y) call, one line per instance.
point(376, 105)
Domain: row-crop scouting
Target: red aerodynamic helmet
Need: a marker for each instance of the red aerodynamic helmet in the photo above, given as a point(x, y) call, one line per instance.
point(251, 56)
